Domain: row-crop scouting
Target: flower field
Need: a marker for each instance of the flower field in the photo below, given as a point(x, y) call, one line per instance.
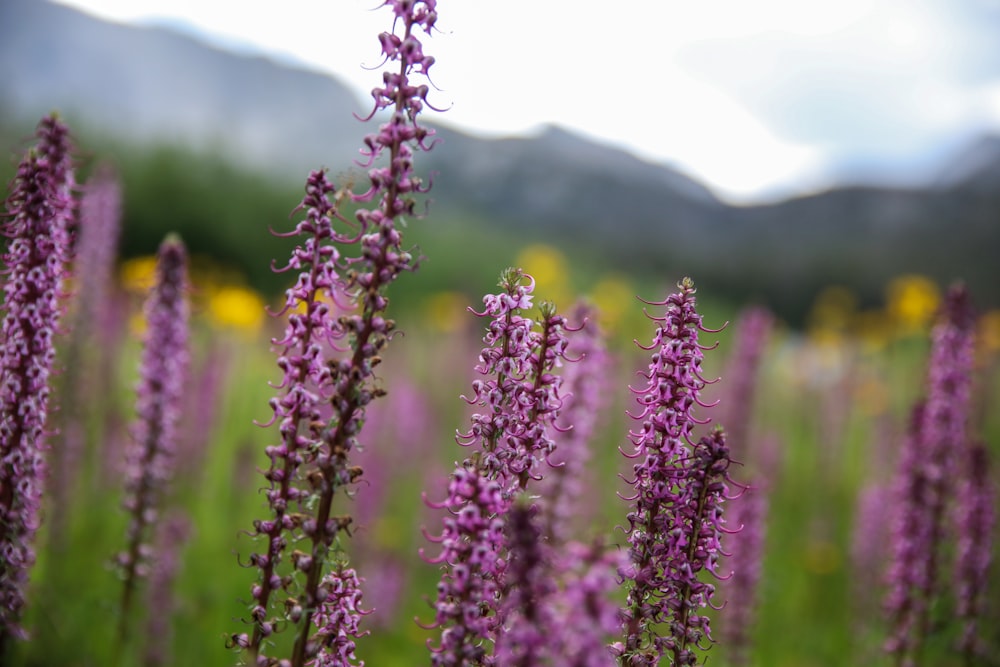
point(568, 470)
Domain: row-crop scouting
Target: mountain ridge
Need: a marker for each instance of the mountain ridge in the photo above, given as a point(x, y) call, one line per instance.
point(150, 84)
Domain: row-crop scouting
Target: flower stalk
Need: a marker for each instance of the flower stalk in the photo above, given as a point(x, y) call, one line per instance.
point(39, 215)
point(937, 435)
point(513, 437)
point(329, 358)
point(150, 459)
point(676, 523)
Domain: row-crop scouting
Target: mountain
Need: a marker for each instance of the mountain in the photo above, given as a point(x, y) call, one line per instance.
point(150, 84)
point(154, 84)
point(976, 167)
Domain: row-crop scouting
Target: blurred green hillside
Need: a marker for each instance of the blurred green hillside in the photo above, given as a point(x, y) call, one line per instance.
point(225, 214)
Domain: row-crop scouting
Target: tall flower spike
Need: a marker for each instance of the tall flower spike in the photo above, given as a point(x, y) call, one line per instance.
point(322, 406)
point(748, 512)
point(520, 391)
point(976, 517)
point(512, 437)
point(472, 542)
point(586, 613)
point(337, 619)
point(927, 467)
point(39, 211)
point(675, 525)
point(527, 609)
point(944, 431)
point(90, 352)
point(752, 331)
point(162, 378)
point(310, 330)
point(584, 384)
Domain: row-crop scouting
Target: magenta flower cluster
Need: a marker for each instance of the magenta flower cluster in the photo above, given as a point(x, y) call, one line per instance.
point(747, 513)
point(335, 333)
point(472, 545)
point(337, 619)
point(526, 613)
point(975, 516)
point(39, 216)
point(676, 524)
point(518, 389)
point(513, 590)
point(584, 390)
point(163, 370)
point(929, 462)
point(512, 438)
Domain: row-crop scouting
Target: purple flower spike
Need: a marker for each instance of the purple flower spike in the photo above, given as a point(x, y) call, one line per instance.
point(162, 378)
point(910, 543)
point(676, 522)
point(520, 396)
point(311, 330)
point(748, 512)
point(520, 390)
point(92, 348)
point(925, 479)
point(39, 211)
point(586, 614)
point(338, 620)
point(329, 358)
point(752, 332)
point(944, 431)
point(584, 389)
point(976, 516)
point(526, 614)
point(471, 545)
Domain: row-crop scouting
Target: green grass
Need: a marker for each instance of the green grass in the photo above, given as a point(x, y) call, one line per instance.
point(810, 605)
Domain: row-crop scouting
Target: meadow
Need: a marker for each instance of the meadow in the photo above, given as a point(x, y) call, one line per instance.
point(817, 417)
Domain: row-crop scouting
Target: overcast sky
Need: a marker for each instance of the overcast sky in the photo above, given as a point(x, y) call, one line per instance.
point(757, 99)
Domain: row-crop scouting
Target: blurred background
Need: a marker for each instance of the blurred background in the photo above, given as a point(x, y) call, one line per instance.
point(769, 152)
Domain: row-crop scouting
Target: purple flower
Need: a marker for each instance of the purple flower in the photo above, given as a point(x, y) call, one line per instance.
point(751, 339)
point(975, 518)
point(519, 391)
point(676, 522)
point(308, 383)
point(526, 613)
point(328, 358)
point(748, 512)
point(472, 542)
point(519, 394)
point(39, 211)
point(584, 391)
point(338, 619)
point(162, 379)
point(90, 355)
point(924, 485)
point(585, 613)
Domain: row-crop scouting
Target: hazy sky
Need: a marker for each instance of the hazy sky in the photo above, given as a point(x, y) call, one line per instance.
point(756, 98)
